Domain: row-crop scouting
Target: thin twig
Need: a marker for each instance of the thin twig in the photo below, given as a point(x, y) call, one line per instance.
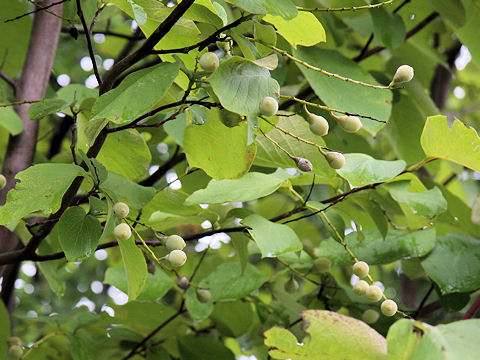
point(37, 10)
point(97, 14)
point(472, 310)
point(352, 8)
point(8, 80)
point(424, 300)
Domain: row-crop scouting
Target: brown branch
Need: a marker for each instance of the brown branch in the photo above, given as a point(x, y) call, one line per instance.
point(89, 42)
point(37, 10)
point(106, 33)
point(8, 80)
point(472, 310)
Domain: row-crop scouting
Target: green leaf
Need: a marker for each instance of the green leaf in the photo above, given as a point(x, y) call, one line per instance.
point(10, 121)
point(171, 201)
point(82, 345)
point(428, 203)
point(135, 267)
point(273, 239)
point(402, 340)
point(5, 333)
point(362, 169)
point(156, 285)
point(126, 153)
point(162, 221)
point(342, 95)
point(123, 189)
point(374, 249)
point(222, 152)
point(135, 95)
point(305, 29)
point(240, 85)
point(331, 336)
point(233, 318)
point(270, 155)
point(203, 348)
point(197, 310)
point(451, 10)
point(229, 282)
point(284, 8)
point(469, 33)
point(388, 27)
point(459, 143)
point(462, 255)
point(45, 107)
point(78, 233)
point(41, 188)
point(249, 187)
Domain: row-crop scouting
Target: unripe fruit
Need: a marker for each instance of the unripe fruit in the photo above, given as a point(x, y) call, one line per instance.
point(291, 286)
point(303, 164)
point(370, 316)
point(151, 268)
point(389, 307)
point(203, 295)
point(14, 341)
point(403, 74)
point(360, 269)
point(121, 210)
point(374, 293)
point(209, 61)
point(322, 264)
point(318, 124)
point(3, 182)
point(360, 288)
point(268, 106)
point(335, 159)
point(350, 124)
point(177, 258)
point(15, 352)
point(122, 232)
point(175, 242)
point(183, 283)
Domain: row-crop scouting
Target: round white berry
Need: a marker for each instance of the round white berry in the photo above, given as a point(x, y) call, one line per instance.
point(389, 307)
point(122, 232)
point(268, 106)
point(374, 293)
point(121, 210)
point(175, 242)
point(177, 258)
point(360, 288)
point(361, 269)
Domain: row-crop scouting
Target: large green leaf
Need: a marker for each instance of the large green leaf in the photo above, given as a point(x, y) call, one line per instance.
point(284, 8)
point(198, 311)
point(135, 95)
point(305, 29)
point(203, 348)
point(229, 282)
point(161, 221)
point(126, 153)
point(402, 340)
point(5, 333)
point(156, 285)
point(388, 27)
point(452, 10)
point(135, 267)
point(221, 151)
point(269, 155)
point(172, 202)
point(249, 187)
point(459, 143)
point(46, 107)
point(342, 95)
point(374, 249)
point(454, 263)
point(362, 169)
point(78, 233)
point(41, 188)
point(332, 336)
point(240, 85)
point(273, 239)
point(10, 120)
point(469, 33)
point(123, 189)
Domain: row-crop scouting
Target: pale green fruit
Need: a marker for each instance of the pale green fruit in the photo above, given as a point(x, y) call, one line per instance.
point(335, 159)
point(203, 295)
point(14, 341)
point(370, 316)
point(3, 182)
point(209, 61)
point(389, 307)
point(318, 125)
point(177, 258)
point(183, 283)
point(360, 288)
point(15, 352)
point(175, 242)
point(403, 74)
point(291, 286)
point(361, 269)
point(322, 265)
point(374, 293)
point(350, 124)
point(268, 106)
point(121, 210)
point(122, 232)
point(303, 164)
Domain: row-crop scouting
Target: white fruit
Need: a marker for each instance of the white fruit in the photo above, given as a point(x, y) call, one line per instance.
point(389, 308)
point(370, 316)
point(361, 269)
point(175, 242)
point(322, 265)
point(121, 210)
point(360, 288)
point(268, 106)
point(177, 258)
point(403, 74)
point(350, 124)
point(374, 293)
point(122, 232)
point(335, 159)
point(209, 61)
point(318, 124)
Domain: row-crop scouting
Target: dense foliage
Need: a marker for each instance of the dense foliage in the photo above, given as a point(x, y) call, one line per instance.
point(239, 179)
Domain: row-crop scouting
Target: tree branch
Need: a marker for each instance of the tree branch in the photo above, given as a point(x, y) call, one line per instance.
point(8, 80)
point(162, 170)
point(37, 10)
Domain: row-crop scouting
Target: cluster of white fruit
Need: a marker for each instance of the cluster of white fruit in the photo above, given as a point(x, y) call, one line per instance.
point(371, 292)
